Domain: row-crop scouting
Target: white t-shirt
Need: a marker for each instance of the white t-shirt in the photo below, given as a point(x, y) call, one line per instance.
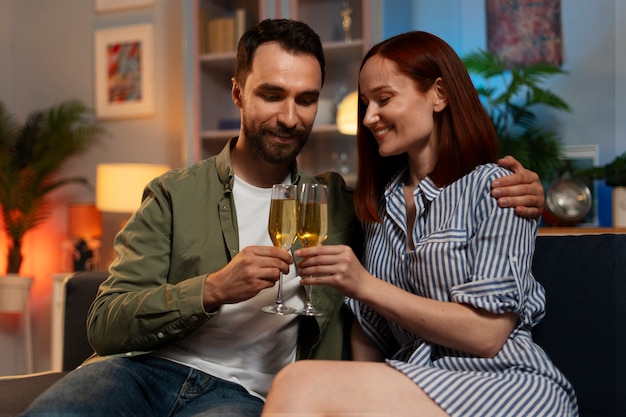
point(241, 343)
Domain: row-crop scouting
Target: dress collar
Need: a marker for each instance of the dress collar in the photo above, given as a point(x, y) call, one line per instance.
point(427, 188)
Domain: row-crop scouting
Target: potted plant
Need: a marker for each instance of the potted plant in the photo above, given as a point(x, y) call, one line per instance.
point(510, 95)
point(31, 155)
point(614, 174)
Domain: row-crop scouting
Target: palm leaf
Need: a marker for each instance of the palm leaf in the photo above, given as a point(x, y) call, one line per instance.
point(31, 156)
point(510, 93)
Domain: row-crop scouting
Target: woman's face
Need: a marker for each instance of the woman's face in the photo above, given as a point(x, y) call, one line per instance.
point(399, 116)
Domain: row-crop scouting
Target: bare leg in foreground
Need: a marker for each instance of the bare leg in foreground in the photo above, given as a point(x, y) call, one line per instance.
point(336, 388)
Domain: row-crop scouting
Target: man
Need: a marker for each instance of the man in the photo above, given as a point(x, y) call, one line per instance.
point(178, 320)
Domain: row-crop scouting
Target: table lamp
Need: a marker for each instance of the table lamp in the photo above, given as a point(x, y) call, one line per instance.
point(347, 117)
point(119, 186)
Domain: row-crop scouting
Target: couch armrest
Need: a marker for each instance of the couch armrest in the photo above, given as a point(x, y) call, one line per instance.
point(17, 392)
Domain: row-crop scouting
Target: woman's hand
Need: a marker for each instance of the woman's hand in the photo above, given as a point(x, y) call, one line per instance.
point(334, 265)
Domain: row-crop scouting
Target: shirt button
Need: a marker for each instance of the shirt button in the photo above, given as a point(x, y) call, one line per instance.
point(194, 318)
point(514, 259)
point(160, 335)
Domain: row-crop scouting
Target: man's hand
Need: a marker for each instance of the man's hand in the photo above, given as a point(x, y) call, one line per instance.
point(250, 271)
point(521, 190)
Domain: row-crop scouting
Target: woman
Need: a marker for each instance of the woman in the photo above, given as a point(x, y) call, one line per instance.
point(445, 295)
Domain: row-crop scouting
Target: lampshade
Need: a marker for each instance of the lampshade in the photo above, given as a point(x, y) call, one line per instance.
point(119, 187)
point(84, 221)
point(347, 117)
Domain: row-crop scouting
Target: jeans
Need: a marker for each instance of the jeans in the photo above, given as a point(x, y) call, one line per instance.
point(143, 386)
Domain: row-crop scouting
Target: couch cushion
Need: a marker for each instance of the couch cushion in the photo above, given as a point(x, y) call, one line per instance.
point(584, 331)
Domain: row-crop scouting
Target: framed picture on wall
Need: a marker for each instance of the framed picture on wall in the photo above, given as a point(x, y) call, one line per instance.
point(101, 6)
point(124, 72)
point(525, 32)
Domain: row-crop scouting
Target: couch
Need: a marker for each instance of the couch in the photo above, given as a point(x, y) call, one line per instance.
point(584, 330)
point(17, 392)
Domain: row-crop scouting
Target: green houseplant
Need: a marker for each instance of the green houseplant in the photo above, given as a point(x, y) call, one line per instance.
point(511, 94)
point(614, 173)
point(31, 155)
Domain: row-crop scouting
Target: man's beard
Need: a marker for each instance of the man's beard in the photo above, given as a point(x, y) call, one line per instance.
point(272, 152)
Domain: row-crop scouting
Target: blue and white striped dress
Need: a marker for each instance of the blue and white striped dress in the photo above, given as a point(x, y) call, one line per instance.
point(467, 250)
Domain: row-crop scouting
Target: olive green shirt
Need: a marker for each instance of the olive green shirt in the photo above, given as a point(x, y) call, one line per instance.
point(185, 229)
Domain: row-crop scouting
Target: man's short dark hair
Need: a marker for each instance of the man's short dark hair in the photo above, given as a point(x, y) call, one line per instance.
point(292, 35)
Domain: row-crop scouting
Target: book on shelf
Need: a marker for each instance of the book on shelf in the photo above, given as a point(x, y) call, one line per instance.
point(241, 23)
point(202, 35)
point(221, 34)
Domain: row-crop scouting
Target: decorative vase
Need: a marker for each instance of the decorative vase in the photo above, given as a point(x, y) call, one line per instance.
point(14, 291)
point(619, 206)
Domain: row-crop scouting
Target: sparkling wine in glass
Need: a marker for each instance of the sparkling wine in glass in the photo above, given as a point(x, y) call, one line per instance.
point(312, 228)
point(282, 227)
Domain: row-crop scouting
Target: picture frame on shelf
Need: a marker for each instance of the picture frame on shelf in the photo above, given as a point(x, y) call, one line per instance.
point(124, 72)
point(103, 6)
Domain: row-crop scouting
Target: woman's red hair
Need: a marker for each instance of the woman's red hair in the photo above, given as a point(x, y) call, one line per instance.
point(465, 132)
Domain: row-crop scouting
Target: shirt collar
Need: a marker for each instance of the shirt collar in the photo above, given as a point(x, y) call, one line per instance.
point(225, 167)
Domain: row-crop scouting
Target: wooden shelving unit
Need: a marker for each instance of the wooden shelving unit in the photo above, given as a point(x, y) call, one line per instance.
point(210, 113)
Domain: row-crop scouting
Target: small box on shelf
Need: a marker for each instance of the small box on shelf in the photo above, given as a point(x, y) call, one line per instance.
point(229, 124)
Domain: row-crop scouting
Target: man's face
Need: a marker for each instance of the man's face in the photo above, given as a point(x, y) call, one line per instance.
point(278, 103)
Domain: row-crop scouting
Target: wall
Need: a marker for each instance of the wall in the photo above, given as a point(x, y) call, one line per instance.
point(46, 56)
point(620, 77)
point(596, 84)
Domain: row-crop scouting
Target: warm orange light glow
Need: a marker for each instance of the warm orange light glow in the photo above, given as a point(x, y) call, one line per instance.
point(42, 257)
point(84, 221)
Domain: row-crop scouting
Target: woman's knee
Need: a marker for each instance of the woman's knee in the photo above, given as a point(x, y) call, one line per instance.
point(294, 373)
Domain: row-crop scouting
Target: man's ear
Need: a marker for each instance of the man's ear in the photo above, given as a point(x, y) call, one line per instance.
point(235, 92)
point(441, 100)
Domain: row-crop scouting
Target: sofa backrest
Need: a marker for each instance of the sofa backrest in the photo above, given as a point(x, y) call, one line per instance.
point(584, 331)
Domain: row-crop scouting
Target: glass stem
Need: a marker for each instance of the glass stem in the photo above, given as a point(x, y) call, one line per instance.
point(309, 296)
point(279, 297)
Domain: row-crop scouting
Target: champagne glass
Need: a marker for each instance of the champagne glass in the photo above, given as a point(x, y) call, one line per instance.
point(312, 229)
point(282, 227)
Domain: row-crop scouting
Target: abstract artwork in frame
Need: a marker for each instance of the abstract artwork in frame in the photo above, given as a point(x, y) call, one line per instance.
point(525, 32)
point(124, 67)
point(101, 6)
